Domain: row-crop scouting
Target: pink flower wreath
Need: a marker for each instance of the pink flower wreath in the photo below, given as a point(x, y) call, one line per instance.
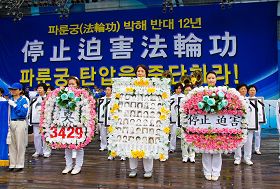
point(76, 133)
point(212, 139)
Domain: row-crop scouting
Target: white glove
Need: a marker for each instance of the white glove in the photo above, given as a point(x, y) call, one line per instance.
point(12, 103)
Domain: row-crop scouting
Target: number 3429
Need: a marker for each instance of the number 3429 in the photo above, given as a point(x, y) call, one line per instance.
point(68, 132)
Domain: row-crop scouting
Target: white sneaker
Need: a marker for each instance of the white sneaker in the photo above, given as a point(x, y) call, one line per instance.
point(258, 152)
point(102, 149)
point(208, 177)
point(35, 155)
point(185, 159)
point(192, 160)
point(237, 162)
point(215, 178)
point(66, 170)
point(123, 158)
point(132, 173)
point(248, 162)
point(110, 158)
point(76, 170)
point(148, 174)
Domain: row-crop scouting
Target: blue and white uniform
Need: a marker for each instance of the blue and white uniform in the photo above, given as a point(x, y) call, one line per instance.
point(18, 127)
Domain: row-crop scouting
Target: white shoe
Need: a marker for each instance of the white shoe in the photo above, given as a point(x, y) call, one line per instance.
point(208, 177)
point(102, 149)
point(35, 155)
point(76, 170)
point(47, 155)
point(248, 162)
point(148, 174)
point(215, 178)
point(66, 170)
point(132, 173)
point(237, 162)
point(110, 158)
point(192, 160)
point(185, 159)
point(258, 152)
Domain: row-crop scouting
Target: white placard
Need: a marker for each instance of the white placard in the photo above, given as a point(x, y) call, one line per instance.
point(213, 121)
point(35, 111)
point(261, 110)
point(252, 116)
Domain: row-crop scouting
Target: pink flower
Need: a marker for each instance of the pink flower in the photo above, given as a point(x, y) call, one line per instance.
point(225, 139)
point(88, 140)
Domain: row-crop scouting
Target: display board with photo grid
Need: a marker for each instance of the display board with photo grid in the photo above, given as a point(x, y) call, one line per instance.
point(140, 119)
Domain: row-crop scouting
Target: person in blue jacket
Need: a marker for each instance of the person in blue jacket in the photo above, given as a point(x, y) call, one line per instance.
point(18, 126)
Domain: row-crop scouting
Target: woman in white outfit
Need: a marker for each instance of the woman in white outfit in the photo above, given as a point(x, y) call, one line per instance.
point(73, 82)
point(141, 71)
point(212, 163)
point(34, 118)
point(242, 89)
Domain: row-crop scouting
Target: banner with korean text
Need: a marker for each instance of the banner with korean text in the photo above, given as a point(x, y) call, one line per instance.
point(240, 45)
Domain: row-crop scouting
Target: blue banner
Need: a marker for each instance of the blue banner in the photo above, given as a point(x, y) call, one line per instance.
point(240, 45)
point(4, 160)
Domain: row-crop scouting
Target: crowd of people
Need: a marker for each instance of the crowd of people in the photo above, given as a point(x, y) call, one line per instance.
point(21, 107)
